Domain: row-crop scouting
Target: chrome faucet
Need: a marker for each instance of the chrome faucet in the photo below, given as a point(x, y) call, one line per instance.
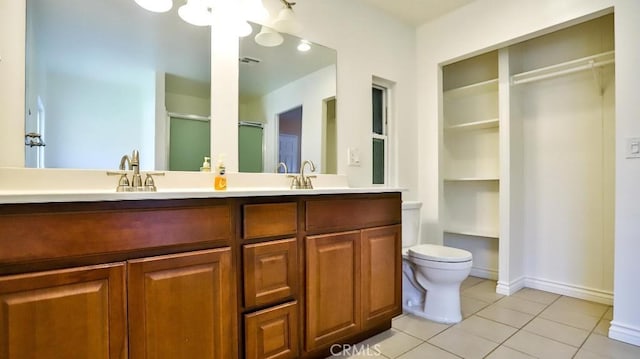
point(132, 163)
point(302, 181)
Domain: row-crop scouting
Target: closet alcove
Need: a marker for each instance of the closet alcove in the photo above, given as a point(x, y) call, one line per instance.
point(527, 161)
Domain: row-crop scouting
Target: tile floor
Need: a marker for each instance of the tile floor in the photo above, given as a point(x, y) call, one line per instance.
point(528, 324)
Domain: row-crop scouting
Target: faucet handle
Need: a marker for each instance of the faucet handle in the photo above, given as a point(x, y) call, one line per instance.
point(307, 182)
point(123, 182)
point(149, 183)
point(295, 182)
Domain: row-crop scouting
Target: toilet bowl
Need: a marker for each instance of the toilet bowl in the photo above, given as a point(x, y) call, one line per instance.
point(432, 274)
point(435, 273)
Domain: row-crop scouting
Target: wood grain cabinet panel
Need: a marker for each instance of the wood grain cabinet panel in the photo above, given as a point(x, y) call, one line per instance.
point(332, 288)
point(272, 333)
point(381, 274)
point(71, 313)
point(270, 271)
point(182, 306)
point(332, 215)
point(269, 220)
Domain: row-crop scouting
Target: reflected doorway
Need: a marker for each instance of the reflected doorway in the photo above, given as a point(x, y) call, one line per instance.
point(289, 138)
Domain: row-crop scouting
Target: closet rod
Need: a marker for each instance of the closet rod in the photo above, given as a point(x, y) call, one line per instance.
point(570, 67)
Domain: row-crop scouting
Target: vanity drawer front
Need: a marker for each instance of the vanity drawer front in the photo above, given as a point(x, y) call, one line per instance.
point(87, 232)
point(352, 213)
point(272, 333)
point(269, 220)
point(270, 271)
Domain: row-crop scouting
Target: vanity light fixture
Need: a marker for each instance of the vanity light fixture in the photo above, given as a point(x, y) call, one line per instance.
point(268, 37)
point(156, 5)
point(197, 12)
point(287, 21)
point(304, 46)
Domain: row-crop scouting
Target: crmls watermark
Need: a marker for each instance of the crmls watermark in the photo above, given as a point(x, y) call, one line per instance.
point(355, 349)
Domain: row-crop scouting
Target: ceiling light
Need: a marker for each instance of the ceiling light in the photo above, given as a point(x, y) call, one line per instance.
point(196, 12)
point(286, 21)
point(155, 5)
point(304, 46)
point(268, 37)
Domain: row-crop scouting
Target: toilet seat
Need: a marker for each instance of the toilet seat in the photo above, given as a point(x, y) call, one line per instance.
point(432, 252)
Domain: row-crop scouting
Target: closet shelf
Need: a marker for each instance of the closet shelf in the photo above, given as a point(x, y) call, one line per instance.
point(469, 89)
point(565, 68)
point(471, 179)
point(472, 233)
point(477, 125)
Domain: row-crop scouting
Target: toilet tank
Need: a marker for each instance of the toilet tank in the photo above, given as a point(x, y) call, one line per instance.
point(410, 223)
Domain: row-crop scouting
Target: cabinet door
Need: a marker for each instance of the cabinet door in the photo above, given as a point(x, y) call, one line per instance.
point(71, 313)
point(270, 271)
point(381, 274)
point(182, 306)
point(333, 287)
point(272, 333)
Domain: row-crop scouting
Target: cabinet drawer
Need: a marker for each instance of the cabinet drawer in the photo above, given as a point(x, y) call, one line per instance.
point(269, 219)
point(270, 271)
point(272, 333)
point(352, 213)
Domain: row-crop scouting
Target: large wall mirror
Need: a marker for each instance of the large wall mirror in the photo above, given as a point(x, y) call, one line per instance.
point(104, 77)
point(287, 105)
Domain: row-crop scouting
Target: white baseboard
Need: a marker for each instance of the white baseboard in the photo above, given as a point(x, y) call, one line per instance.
point(485, 273)
point(506, 288)
point(591, 294)
point(624, 333)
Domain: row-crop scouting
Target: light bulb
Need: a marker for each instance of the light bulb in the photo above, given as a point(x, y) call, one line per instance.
point(244, 29)
point(304, 46)
point(155, 5)
point(287, 22)
point(195, 12)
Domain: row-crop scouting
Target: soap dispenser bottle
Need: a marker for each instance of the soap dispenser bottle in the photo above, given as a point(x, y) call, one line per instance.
point(220, 182)
point(206, 165)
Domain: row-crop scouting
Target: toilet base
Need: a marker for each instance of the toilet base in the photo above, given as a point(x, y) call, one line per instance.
point(442, 306)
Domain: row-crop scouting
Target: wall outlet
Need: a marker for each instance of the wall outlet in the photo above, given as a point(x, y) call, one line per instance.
point(354, 157)
point(633, 147)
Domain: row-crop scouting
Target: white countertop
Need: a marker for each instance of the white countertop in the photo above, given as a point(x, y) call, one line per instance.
point(58, 185)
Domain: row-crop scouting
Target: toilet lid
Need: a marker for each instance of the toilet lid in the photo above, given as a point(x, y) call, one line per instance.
point(437, 253)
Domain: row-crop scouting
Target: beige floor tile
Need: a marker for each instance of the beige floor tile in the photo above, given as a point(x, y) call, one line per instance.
point(503, 352)
point(470, 281)
point(521, 305)
point(487, 329)
point(485, 291)
point(462, 343)
point(392, 343)
point(603, 327)
point(557, 331)
point(539, 346)
point(470, 305)
point(535, 295)
point(585, 354)
point(505, 315)
point(419, 327)
point(580, 306)
point(601, 345)
point(427, 350)
point(569, 317)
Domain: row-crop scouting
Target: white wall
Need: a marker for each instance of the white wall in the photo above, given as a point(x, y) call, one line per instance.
point(489, 24)
point(308, 91)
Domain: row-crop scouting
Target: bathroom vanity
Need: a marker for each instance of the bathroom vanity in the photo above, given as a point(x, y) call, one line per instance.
point(229, 275)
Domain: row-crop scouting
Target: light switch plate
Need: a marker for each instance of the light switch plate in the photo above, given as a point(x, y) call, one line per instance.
point(633, 147)
point(354, 157)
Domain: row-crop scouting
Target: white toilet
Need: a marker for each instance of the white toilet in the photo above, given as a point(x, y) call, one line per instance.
point(431, 274)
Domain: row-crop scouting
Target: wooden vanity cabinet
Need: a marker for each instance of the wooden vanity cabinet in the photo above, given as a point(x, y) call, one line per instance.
point(69, 313)
point(270, 280)
point(353, 275)
point(179, 305)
